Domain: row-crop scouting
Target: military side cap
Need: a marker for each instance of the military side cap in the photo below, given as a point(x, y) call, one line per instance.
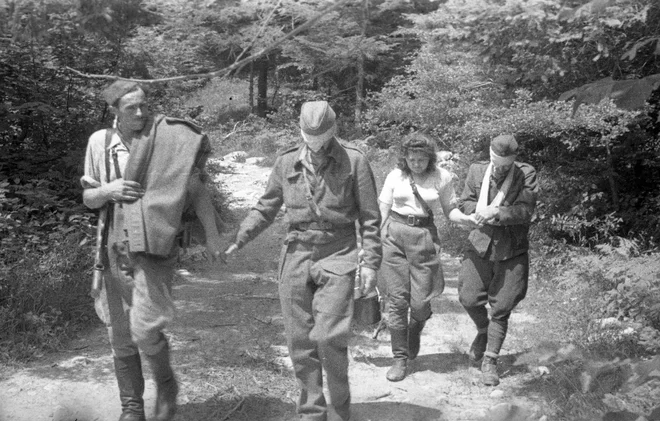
point(504, 145)
point(316, 118)
point(118, 89)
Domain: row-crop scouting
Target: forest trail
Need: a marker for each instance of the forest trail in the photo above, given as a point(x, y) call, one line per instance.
point(232, 363)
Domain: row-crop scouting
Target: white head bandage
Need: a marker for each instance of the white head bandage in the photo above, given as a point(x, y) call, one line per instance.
point(501, 161)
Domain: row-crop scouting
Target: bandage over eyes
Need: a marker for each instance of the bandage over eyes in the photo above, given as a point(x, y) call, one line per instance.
point(501, 161)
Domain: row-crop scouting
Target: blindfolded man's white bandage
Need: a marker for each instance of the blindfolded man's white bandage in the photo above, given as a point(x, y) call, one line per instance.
point(315, 143)
point(501, 161)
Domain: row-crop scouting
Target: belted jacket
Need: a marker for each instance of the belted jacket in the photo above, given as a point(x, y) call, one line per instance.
point(343, 190)
point(507, 237)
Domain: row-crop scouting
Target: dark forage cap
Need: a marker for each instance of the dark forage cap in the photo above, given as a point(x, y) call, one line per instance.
point(504, 145)
point(118, 89)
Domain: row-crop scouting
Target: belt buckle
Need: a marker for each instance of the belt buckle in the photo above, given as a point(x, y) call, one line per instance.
point(411, 220)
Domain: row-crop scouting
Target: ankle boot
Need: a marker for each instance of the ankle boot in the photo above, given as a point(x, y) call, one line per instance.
point(131, 387)
point(478, 346)
point(489, 374)
point(400, 351)
point(397, 372)
point(166, 385)
point(414, 337)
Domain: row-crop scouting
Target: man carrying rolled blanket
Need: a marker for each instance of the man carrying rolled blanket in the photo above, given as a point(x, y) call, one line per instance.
point(146, 172)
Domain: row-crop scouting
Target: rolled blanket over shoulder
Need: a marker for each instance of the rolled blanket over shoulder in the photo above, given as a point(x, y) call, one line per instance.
point(162, 161)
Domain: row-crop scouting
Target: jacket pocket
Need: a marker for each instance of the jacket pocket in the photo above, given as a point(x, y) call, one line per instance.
point(336, 281)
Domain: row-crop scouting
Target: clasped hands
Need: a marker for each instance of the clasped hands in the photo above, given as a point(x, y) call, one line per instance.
point(482, 217)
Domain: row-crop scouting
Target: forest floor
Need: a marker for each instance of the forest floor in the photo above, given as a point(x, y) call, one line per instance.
point(230, 355)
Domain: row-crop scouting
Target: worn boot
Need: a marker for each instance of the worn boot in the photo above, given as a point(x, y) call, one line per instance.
point(414, 337)
point(400, 351)
point(489, 374)
point(478, 346)
point(166, 386)
point(131, 387)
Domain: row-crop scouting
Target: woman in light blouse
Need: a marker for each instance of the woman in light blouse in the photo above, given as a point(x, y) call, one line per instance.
point(411, 248)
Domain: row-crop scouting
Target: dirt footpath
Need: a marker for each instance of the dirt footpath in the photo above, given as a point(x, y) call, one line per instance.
point(230, 356)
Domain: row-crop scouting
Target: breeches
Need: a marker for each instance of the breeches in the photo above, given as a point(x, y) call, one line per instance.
point(136, 302)
point(501, 284)
point(316, 294)
point(411, 268)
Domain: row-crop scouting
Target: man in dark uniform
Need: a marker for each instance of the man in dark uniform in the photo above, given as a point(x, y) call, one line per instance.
point(326, 187)
point(502, 195)
point(144, 173)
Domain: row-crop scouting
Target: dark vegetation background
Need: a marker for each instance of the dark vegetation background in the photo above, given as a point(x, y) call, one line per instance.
point(575, 80)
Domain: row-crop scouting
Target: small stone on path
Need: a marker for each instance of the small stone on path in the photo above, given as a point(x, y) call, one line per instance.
point(496, 393)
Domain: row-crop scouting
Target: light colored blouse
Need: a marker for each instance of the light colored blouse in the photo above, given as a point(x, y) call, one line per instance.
point(437, 189)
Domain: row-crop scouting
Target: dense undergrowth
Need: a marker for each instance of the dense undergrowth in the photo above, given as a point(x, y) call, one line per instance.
point(597, 351)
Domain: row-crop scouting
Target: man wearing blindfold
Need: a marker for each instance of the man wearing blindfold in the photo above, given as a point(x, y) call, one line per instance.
point(501, 193)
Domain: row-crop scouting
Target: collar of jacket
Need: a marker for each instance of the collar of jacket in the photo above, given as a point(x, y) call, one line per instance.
point(333, 150)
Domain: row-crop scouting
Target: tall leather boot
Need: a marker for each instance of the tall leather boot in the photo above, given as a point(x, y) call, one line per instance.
point(131, 387)
point(414, 337)
point(166, 385)
point(400, 351)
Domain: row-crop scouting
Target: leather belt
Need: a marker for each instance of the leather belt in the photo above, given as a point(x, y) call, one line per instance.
point(321, 226)
point(411, 220)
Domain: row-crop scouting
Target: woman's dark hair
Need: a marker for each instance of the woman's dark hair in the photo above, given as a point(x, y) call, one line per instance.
point(417, 142)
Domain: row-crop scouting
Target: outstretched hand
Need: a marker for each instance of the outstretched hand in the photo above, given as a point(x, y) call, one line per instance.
point(228, 252)
point(214, 248)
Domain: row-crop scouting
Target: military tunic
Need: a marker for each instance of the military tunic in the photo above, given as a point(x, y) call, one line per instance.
point(318, 263)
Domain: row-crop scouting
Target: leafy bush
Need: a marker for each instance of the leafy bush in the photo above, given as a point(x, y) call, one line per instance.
point(44, 283)
point(603, 333)
point(610, 299)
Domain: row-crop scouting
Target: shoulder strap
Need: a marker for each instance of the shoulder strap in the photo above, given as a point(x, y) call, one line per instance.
point(309, 196)
point(108, 140)
point(108, 214)
point(425, 205)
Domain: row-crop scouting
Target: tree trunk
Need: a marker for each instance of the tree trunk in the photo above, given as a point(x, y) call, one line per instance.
point(359, 94)
point(610, 177)
point(359, 87)
point(251, 89)
point(262, 88)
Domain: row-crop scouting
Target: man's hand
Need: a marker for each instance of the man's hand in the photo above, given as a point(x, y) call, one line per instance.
point(487, 215)
point(123, 191)
point(225, 256)
point(214, 248)
point(367, 280)
point(470, 222)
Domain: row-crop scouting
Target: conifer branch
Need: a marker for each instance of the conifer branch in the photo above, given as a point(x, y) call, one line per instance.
point(227, 70)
